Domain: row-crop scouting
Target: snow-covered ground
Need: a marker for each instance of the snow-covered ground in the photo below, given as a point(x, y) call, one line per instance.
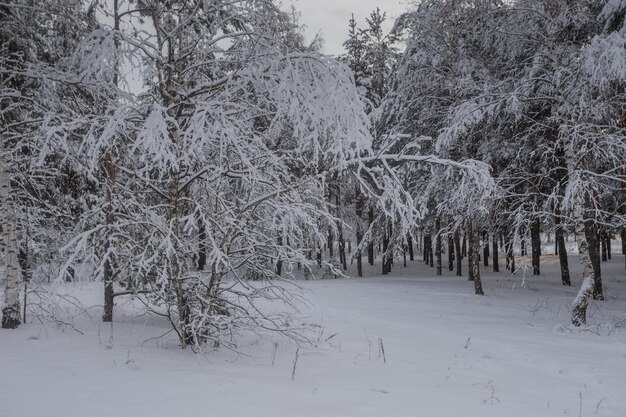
point(448, 353)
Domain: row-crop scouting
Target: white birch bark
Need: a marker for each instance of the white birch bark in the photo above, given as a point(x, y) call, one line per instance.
point(11, 304)
point(585, 293)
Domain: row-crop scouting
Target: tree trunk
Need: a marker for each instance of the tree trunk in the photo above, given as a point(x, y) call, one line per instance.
point(581, 302)
point(593, 244)
point(485, 249)
point(340, 238)
point(385, 247)
point(390, 249)
point(370, 246)
point(587, 286)
point(438, 246)
point(603, 240)
point(464, 248)
point(330, 240)
point(11, 306)
point(472, 256)
point(331, 253)
point(494, 250)
point(457, 250)
point(109, 174)
point(556, 244)
point(474, 263)
point(562, 250)
point(359, 231)
point(201, 245)
point(279, 262)
point(623, 235)
point(409, 240)
point(510, 254)
point(450, 252)
point(431, 252)
point(404, 253)
point(535, 241)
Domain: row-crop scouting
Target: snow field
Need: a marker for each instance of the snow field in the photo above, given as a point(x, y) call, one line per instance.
point(448, 353)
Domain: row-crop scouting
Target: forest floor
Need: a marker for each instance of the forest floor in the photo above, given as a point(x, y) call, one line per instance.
point(447, 353)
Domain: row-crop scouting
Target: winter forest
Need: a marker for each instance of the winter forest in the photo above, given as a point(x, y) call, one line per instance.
point(205, 213)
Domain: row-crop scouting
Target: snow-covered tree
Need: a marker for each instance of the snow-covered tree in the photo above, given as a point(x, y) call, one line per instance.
point(36, 39)
point(221, 165)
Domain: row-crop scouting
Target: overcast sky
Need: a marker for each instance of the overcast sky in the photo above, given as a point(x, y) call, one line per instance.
point(330, 17)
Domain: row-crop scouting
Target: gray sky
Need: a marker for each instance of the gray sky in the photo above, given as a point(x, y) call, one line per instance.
point(331, 17)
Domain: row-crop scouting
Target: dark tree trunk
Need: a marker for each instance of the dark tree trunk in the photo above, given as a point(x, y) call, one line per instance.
point(464, 248)
point(385, 247)
point(22, 258)
point(474, 263)
point(457, 250)
point(409, 240)
point(556, 244)
point(331, 253)
point(342, 252)
point(330, 241)
point(471, 254)
point(344, 257)
point(390, 257)
point(438, 246)
point(279, 262)
point(431, 252)
point(404, 253)
point(485, 249)
point(623, 235)
point(318, 256)
point(370, 245)
point(494, 249)
point(603, 239)
point(450, 252)
point(359, 231)
point(608, 245)
point(110, 173)
point(562, 251)
point(107, 316)
point(535, 241)
point(201, 245)
point(594, 253)
point(507, 256)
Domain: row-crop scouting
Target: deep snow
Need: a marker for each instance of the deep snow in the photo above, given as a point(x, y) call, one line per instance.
point(448, 353)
